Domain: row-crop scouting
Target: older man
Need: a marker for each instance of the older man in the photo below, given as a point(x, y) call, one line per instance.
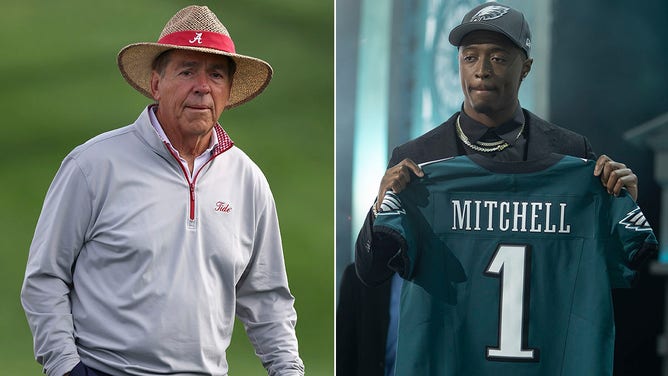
point(153, 236)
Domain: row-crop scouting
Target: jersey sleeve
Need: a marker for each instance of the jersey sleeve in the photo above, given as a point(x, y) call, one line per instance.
point(394, 222)
point(634, 237)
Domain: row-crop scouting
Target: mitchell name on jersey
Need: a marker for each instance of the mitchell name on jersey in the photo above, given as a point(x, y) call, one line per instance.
point(516, 216)
point(474, 214)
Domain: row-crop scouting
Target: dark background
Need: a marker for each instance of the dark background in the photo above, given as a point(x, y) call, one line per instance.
point(609, 74)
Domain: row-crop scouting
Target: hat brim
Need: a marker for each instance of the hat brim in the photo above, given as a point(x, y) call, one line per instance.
point(459, 32)
point(251, 77)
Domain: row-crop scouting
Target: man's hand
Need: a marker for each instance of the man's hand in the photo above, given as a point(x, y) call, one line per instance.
point(615, 175)
point(396, 178)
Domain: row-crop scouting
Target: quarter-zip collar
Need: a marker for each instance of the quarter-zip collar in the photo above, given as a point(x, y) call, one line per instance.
point(150, 136)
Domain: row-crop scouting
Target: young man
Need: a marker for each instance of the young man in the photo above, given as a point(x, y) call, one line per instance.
point(494, 57)
point(484, 291)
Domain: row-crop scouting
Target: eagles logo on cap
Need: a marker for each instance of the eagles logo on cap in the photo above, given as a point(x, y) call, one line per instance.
point(489, 13)
point(497, 18)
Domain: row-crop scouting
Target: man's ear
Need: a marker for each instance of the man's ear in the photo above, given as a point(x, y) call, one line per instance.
point(155, 80)
point(526, 67)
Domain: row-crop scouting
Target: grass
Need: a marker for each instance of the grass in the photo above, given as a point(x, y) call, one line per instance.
point(61, 86)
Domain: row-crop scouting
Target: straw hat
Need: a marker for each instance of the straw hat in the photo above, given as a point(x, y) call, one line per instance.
point(195, 28)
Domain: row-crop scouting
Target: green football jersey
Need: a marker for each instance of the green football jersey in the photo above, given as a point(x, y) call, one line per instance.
point(509, 266)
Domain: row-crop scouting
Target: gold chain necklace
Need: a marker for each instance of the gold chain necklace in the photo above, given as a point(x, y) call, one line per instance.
point(484, 147)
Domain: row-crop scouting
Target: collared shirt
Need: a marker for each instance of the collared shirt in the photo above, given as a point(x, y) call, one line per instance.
point(508, 131)
point(200, 160)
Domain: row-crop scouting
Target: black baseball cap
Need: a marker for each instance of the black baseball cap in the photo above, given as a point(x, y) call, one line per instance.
point(498, 18)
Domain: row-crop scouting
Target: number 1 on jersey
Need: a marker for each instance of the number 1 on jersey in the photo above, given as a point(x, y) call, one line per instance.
point(512, 265)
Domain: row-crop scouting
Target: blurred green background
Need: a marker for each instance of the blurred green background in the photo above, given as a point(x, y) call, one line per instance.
point(61, 86)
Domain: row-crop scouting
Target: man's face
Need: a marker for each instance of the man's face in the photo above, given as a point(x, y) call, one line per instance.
point(192, 92)
point(491, 68)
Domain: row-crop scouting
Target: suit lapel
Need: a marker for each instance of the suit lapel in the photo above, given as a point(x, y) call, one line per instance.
point(444, 144)
point(541, 138)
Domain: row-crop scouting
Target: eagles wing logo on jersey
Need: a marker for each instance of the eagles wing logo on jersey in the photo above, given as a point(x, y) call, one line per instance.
point(635, 220)
point(489, 13)
point(391, 205)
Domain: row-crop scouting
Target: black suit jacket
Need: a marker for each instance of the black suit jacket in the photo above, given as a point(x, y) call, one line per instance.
point(362, 318)
point(372, 253)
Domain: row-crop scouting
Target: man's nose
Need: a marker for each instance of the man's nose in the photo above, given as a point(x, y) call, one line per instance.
point(483, 69)
point(202, 84)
